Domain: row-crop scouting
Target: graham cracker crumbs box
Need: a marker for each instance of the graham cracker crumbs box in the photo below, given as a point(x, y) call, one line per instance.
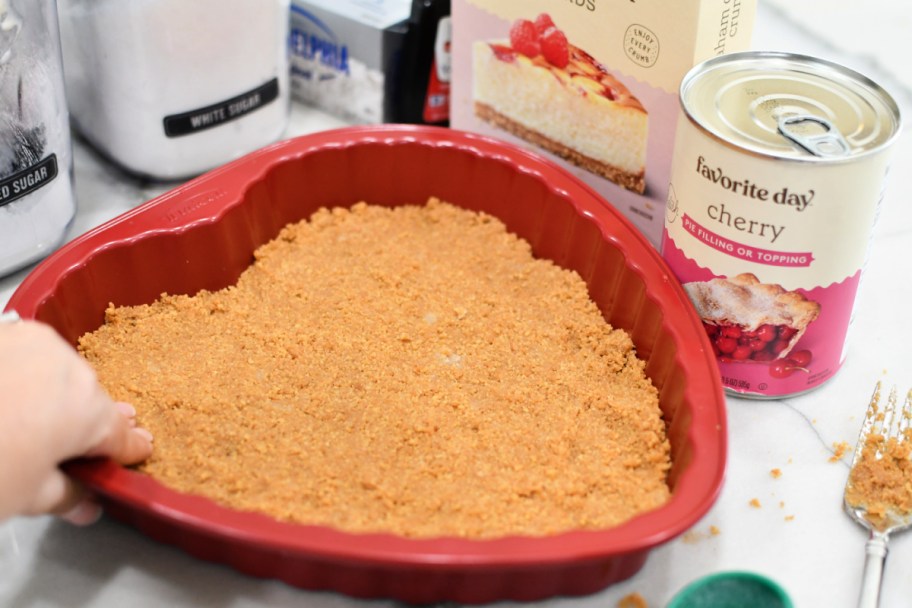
point(591, 83)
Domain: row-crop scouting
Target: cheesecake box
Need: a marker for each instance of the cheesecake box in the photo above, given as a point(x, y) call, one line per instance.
point(592, 84)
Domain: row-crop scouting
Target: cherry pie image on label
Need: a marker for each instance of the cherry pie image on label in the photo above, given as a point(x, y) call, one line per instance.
point(778, 172)
point(749, 321)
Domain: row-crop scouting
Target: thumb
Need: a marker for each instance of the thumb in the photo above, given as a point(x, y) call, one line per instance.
point(123, 442)
point(121, 439)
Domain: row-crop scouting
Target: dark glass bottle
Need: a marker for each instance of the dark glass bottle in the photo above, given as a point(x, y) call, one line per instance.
point(420, 88)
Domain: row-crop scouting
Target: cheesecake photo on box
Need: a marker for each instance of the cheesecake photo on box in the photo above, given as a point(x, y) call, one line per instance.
point(591, 84)
point(538, 86)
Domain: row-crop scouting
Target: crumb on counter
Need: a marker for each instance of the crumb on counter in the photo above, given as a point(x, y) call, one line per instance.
point(412, 370)
point(632, 600)
point(694, 536)
point(776, 473)
point(840, 449)
point(755, 503)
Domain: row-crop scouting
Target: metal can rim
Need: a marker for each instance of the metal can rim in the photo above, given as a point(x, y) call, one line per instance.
point(844, 71)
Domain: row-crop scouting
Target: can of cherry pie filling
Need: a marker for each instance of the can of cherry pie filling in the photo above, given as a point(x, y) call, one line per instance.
point(779, 167)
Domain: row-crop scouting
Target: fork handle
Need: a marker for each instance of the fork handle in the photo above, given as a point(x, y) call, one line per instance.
point(875, 556)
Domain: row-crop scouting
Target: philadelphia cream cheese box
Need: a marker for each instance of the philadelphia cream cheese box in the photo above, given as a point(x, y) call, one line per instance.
point(592, 84)
point(372, 61)
point(344, 54)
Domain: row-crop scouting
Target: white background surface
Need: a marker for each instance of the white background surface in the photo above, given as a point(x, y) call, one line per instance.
point(799, 536)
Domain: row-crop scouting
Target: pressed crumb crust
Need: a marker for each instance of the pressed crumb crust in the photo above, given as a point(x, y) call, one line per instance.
point(410, 370)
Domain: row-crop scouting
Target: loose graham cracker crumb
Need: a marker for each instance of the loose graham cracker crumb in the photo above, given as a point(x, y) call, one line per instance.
point(755, 503)
point(776, 473)
point(410, 370)
point(839, 450)
point(694, 536)
point(633, 600)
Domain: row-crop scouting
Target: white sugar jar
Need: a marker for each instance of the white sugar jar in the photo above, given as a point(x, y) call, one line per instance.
point(171, 88)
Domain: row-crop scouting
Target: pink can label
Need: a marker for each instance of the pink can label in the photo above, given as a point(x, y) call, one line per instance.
point(771, 254)
point(755, 360)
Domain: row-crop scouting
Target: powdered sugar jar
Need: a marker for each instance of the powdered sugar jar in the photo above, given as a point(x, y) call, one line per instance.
point(172, 88)
point(37, 202)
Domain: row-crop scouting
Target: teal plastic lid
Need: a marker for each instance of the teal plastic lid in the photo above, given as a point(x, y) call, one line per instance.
point(732, 590)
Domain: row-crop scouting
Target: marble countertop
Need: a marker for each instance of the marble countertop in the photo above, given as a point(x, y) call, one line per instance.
point(798, 535)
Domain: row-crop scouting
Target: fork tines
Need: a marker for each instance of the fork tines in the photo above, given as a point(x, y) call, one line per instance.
point(887, 423)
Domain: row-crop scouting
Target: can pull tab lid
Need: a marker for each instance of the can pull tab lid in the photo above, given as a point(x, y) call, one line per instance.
point(829, 143)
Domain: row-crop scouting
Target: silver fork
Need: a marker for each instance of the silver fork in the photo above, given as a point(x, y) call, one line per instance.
point(883, 434)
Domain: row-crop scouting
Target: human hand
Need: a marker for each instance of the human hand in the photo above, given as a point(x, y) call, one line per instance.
point(52, 409)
